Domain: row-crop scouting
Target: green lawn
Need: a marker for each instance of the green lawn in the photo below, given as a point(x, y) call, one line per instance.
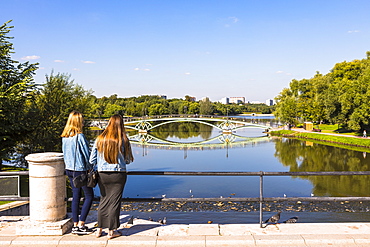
point(335, 128)
point(353, 142)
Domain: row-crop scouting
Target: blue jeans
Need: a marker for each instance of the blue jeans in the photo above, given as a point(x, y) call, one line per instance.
point(89, 196)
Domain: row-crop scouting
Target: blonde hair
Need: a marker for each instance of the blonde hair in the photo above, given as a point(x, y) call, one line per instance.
point(109, 143)
point(74, 124)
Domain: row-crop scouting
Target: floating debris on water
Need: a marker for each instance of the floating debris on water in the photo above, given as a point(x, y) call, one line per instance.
point(301, 206)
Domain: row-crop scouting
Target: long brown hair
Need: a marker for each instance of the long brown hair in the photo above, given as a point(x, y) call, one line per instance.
point(109, 143)
point(74, 124)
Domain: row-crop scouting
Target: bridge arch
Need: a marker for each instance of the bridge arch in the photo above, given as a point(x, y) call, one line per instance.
point(226, 124)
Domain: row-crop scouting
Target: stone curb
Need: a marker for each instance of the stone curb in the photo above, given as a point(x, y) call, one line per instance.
point(145, 233)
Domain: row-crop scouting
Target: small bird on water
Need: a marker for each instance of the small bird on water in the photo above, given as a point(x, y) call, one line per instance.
point(292, 220)
point(274, 219)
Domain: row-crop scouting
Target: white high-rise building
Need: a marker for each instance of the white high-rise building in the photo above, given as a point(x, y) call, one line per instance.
point(224, 101)
point(237, 100)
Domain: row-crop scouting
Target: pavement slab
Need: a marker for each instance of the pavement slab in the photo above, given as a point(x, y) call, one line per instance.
point(173, 230)
point(202, 230)
point(285, 240)
point(152, 234)
point(164, 241)
point(230, 240)
point(334, 239)
point(40, 240)
point(129, 241)
point(235, 230)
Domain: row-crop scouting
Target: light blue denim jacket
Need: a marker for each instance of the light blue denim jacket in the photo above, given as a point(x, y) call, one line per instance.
point(97, 159)
point(82, 155)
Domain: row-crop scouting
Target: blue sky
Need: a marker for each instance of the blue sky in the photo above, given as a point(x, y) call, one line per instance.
point(201, 48)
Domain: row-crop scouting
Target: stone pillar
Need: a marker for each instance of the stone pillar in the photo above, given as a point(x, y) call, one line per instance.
point(48, 208)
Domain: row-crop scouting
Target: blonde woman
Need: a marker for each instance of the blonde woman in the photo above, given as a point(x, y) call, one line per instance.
point(110, 154)
point(76, 158)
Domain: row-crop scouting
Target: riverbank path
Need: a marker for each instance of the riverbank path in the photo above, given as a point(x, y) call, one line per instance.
point(324, 133)
point(148, 233)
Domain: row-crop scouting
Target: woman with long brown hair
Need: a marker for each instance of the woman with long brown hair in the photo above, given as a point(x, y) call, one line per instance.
point(76, 158)
point(110, 154)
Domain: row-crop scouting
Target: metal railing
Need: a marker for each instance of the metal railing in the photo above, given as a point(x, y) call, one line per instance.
point(261, 199)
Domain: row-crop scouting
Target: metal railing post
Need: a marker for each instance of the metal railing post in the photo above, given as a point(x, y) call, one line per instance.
point(261, 198)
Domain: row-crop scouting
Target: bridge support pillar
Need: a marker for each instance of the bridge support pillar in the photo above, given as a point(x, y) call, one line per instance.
point(48, 208)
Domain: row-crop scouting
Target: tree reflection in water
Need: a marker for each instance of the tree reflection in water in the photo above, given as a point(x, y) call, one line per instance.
point(300, 156)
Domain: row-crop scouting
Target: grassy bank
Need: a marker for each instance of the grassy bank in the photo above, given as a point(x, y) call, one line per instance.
point(361, 144)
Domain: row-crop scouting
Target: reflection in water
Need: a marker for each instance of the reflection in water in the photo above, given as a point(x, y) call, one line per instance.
point(268, 155)
point(300, 157)
point(196, 147)
point(191, 135)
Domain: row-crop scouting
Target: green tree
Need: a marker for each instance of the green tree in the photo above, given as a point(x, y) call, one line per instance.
point(340, 96)
point(112, 109)
point(205, 107)
point(16, 83)
point(286, 107)
point(157, 109)
point(193, 108)
point(53, 103)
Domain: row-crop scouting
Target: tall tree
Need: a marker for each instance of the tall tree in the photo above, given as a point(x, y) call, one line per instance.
point(53, 103)
point(16, 83)
point(286, 107)
point(205, 107)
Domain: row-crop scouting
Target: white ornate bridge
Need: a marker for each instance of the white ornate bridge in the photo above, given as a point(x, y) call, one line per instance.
point(220, 141)
point(222, 124)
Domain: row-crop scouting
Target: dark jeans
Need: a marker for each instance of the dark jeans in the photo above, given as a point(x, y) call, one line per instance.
point(89, 196)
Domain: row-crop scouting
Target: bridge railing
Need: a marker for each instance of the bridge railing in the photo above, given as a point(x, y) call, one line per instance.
point(128, 119)
point(261, 199)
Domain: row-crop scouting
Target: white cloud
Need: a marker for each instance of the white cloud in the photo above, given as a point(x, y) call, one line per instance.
point(187, 73)
point(33, 57)
point(137, 69)
point(75, 69)
point(90, 62)
point(283, 72)
point(353, 31)
point(58, 61)
point(234, 19)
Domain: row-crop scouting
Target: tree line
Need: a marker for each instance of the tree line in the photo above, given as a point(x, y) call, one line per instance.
point(32, 116)
point(341, 97)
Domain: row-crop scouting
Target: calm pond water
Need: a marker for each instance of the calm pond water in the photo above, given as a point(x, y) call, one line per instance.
point(248, 150)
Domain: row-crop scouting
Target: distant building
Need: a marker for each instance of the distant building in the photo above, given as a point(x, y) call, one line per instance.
point(224, 101)
point(270, 102)
point(255, 102)
point(237, 100)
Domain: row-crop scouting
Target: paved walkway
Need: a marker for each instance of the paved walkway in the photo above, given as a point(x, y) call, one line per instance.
point(325, 133)
point(147, 233)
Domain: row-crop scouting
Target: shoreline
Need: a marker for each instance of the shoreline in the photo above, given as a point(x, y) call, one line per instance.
point(338, 139)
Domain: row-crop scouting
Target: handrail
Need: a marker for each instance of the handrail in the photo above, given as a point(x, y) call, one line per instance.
point(259, 199)
point(205, 173)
